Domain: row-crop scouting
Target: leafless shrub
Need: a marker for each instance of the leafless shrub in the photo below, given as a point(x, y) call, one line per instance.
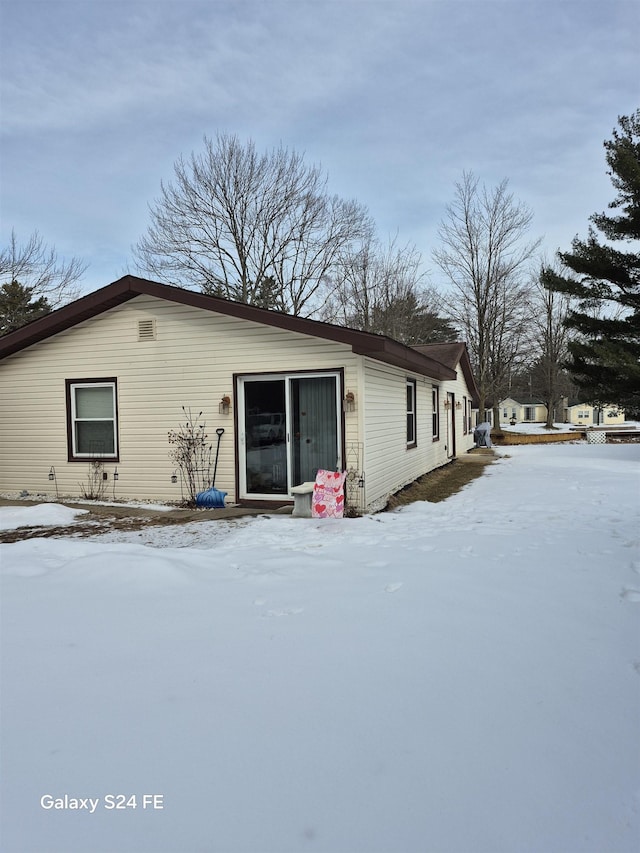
point(191, 451)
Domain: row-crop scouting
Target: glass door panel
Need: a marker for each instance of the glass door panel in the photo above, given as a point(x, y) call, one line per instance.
point(265, 430)
point(314, 425)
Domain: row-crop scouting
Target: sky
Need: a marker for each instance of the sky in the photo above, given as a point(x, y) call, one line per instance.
point(453, 677)
point(393, 99)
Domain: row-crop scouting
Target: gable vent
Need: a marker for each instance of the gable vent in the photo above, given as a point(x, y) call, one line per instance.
point(146, 330)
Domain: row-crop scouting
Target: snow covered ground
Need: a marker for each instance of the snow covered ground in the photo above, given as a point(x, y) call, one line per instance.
point(535, 428)
point(538, 428)
point(38, 515)
point(461, 677)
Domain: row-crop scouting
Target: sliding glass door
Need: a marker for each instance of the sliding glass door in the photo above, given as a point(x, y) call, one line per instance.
point(265, 444)
point(289, 428)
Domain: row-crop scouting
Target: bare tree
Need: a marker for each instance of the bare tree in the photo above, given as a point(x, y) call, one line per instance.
point(256, 228)
point(381, 289)
point(351, 288)
point(38, 270)
point(485, 258)
point(550, 311)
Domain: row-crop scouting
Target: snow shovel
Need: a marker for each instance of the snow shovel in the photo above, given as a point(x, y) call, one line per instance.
point(213, 497)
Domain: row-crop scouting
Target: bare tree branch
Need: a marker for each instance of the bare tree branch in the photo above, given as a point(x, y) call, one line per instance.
point(381, 289)
point(234, 219)
point(484, 256)
point(38, 269)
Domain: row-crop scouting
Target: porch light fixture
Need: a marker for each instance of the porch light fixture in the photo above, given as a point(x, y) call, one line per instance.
point(224, 404)
point(458, 405)
point(174, 477)
point(349, 404)
point(447, 404)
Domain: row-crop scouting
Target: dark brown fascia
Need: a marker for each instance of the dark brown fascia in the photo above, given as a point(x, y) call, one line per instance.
point(393, 352)
point(362, 343)
point(69, 315)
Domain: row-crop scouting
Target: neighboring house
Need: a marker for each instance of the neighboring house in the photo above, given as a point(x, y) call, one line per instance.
point(522, 411)
point(106, 378)
point(583, 414)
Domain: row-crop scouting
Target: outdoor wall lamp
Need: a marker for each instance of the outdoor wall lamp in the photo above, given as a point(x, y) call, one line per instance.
point(174, 477)
point(447, 404)
point(458, 405)
point(224, 404)
point(349, 404)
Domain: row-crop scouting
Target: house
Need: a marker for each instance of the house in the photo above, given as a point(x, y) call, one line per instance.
point(106, 378)
point(584, 414)
point(522, 411)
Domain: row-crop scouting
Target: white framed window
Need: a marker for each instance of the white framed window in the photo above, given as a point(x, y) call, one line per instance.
point(92, 419)
point(435, 401)
point(412, 436)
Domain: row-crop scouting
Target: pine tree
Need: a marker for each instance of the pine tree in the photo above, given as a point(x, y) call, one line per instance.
point(604, 358)
point(18, 306)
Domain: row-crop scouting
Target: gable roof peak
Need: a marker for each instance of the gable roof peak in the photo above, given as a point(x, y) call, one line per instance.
point(129, 287)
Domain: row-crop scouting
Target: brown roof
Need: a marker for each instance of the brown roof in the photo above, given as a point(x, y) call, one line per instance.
point(452, 354)
point(378, 347)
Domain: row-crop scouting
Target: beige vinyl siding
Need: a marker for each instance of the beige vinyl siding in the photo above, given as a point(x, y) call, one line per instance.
point(390, 464)
point(587, 415)
point(464, 442)
point(191, 362)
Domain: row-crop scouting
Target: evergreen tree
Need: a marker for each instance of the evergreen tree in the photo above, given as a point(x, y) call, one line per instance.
point(34, 281)
point(18, 307)
point(409, 320)
point(604, 359)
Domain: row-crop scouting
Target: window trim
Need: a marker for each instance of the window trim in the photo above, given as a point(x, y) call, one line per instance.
point(412, 418)
point(435, 415)
point(70, 386)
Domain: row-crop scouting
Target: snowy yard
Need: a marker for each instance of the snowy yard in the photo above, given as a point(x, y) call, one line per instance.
point(461, 677)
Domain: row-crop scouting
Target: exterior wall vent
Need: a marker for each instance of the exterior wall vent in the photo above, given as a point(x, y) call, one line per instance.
point(146, 330)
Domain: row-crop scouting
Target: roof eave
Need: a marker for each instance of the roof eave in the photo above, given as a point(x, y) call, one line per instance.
point(129, 287)
point(69, 315)
point(391, 352)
